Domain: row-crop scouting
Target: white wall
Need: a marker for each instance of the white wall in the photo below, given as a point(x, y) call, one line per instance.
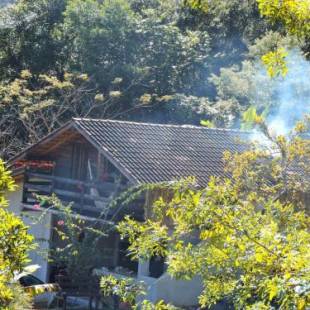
point(177, 292)
point(15, 199)
point(41, 231)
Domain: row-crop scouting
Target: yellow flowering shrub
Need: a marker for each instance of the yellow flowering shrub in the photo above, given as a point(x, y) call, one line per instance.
point(14, 243)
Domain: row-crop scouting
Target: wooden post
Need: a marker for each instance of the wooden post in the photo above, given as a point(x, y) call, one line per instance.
point(53, 181)
point(26, 178)
point(83, 194)
point(147, 211)
point(116, 249)
point(98, 165)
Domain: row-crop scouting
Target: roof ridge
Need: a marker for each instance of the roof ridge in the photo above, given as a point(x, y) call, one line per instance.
point(162, 125)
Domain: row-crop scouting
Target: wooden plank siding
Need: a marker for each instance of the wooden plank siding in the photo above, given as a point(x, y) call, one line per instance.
point(70, 179)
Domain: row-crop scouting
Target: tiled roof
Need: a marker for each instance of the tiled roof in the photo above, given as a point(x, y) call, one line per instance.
point(155, 153)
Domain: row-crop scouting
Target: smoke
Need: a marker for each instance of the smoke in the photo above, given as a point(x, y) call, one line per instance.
point(5, 2)
point(290, 95)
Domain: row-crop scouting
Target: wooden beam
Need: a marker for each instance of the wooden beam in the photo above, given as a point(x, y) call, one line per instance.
point(105, 186)
point(80, 195)
point(57, 142)
point(47, 138)
point(37, 187)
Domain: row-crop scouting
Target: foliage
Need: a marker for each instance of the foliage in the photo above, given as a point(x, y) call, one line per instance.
point(130, 50)
point(135, 53)
point(198, 4)
point(160, 305)
point(35, 106)
point(41, 108)
point(232, 26)
point(207, 123)
point(240, 87)
point(248, 236)
point(138, 43)
point(14, 245)
point(26, 38)
point(6, 184)
point(275, 62)
point(294, 14)
point(129, 290)
point(271, 41)
point(188, 109)
point(237, 89)
point(20, 298)
point(147, 50)
point(77, 253)
point(250, 118)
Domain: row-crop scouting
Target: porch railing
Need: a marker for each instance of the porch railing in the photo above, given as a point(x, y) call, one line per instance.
point(85, 195)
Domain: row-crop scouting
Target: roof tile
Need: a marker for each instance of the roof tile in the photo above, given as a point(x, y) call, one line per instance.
point(155, 152)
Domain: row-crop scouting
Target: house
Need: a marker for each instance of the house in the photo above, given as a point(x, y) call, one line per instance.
point(89, 162)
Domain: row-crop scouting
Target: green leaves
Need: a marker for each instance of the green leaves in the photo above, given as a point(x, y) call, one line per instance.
point(251, 118)
point(275, 63)
point(15, 242)
point(128, 289)
point(79, 248)
point(207, 123)
point(247, 237)
point(6, 184)
point(146, 239)
point(202, 5)
point(293, 14)
point(36, 105)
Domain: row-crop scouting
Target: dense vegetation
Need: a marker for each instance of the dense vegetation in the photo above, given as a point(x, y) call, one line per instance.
point(173, 61)
point(14, 245)
point(247, 238)
point(161, 61)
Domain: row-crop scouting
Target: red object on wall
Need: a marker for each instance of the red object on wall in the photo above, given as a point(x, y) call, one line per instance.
point(40, 164)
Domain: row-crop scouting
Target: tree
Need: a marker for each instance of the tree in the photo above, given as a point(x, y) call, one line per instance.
point(137, 43)
point(133, 52)
point(247, 236)
point(15, 242)
point(39, 105)
point(293, 14)
point(77, 251)
point(36, 105)
point(247, 85)
point(27, 38)
point(128, 290)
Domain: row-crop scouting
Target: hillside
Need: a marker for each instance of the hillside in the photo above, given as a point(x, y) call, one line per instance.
point(159, 61)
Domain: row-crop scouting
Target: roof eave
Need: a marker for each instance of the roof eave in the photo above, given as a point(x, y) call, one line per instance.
point(47, 138)
point(73, 125)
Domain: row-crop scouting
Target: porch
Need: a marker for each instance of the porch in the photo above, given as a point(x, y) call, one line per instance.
point(89, 198)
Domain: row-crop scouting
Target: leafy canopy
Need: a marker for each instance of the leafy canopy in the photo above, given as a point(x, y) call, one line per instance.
point(275, 62)
point(294, 14)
